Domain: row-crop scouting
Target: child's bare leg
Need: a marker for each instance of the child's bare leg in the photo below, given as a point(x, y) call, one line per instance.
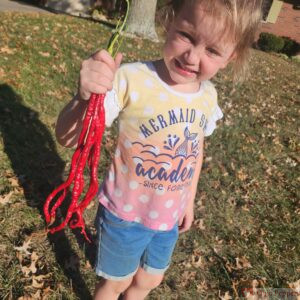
point(141, 285)
point(110, 289)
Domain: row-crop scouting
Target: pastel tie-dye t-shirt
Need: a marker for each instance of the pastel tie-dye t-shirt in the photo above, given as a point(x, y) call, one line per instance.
point(157, 162)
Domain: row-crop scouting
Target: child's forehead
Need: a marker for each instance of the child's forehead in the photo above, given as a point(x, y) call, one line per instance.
point(201, 20)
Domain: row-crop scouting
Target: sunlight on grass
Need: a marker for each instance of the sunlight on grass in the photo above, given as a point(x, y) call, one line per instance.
point(247, 206)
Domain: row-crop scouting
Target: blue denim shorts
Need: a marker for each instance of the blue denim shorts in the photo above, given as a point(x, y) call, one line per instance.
point(125, 246)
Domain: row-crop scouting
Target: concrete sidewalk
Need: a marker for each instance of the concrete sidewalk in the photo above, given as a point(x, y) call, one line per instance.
point(20, 6)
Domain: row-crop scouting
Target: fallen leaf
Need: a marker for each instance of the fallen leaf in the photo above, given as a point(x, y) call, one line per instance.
point(295, 286)
point(225, 297)
point(46, 292)
point(1, 72)
point(7, 50)
point(44, 54)
point(187, 276)
point(14, 182)
point(199, 224)
point(242, 263)
point(63, 67)
point(32, 268)
point(24, 248)
point(36, 283)
point(26, 297)
point(5, 199)
point(241, 175)
point(197, 261)
point(202, 286)
point(88, 265)
point(37, 295)
point(19, 257)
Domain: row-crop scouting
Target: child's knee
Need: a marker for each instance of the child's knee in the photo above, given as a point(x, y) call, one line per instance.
point(118, 287)
point(147, 281)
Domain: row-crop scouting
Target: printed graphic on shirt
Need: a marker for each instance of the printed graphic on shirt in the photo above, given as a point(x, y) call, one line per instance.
point(170, 164)
point(158, 157)
point(173, 117)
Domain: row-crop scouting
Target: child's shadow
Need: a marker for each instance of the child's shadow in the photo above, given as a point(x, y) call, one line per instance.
point(32, 152)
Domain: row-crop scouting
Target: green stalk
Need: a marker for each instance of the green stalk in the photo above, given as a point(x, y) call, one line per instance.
point(116, 40)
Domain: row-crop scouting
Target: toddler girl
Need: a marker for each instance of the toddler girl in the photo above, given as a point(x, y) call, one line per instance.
point(165, 109)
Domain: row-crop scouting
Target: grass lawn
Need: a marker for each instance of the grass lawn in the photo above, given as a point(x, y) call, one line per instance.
point(247, 227)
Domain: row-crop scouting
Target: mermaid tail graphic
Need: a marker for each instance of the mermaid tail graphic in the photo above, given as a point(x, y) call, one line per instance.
point(183, 148)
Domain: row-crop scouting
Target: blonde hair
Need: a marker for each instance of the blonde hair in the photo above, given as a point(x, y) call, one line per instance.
point(241, 19)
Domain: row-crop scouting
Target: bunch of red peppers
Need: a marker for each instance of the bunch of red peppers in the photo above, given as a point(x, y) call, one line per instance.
point(87, 153)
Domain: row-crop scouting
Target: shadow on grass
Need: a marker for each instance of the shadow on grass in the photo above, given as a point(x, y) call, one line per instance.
point(32, 152)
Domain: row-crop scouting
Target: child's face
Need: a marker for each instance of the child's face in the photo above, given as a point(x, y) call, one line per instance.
point(194, 51)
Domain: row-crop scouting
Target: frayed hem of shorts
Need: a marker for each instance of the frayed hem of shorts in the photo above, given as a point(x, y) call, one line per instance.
point(115, 278)
point(154, 271)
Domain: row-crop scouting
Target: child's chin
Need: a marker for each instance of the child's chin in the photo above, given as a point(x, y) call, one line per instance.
point(177, 79)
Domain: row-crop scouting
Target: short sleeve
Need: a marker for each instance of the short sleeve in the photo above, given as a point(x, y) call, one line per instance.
point(111, 107)
point(116, 98)
point(216, 112)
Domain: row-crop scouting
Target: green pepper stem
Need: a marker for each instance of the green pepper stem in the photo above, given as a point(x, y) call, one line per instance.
point(115, 41)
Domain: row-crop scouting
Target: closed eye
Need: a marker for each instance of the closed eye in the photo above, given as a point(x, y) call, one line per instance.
point(185, 36)
point(213, 51)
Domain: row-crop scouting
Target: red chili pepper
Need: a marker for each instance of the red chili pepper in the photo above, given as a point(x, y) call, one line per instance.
point(88, 150)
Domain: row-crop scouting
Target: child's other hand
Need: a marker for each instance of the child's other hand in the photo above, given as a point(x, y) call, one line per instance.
point(185, 222)
point(97, 73)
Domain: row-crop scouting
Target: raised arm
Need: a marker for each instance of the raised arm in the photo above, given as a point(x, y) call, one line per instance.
point(96, 76)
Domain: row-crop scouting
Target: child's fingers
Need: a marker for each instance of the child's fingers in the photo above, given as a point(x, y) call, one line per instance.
point(100, 79)
point(97, 67)
point(185, 224)
point(118, 60)
point(105, 57)
point(97, 73)
point(180, 221)
point(92, 87)
point(183, 229)
point(91, 84)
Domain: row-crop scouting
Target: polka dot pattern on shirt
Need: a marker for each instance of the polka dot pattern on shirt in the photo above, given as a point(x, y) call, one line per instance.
point(118, 153)
point(148, 111)
point(118, 192)
point(144, 183)
point(163, 97)
point(124, 169)
point(163, 226)
point(127, 144)
point(160, 191)
point(169, 203)
point(149, 83)
point(123, 84)
point(128, 207)
point(134, 96)
point(153, 214)
point(111, 176)
point(138, 219)
point(133, 185)
point(144, 198)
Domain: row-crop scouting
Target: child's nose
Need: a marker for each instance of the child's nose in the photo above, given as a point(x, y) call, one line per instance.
point(193, 55)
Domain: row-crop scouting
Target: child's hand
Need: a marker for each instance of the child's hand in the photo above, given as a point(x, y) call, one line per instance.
point(185, 222)
point(97, 74)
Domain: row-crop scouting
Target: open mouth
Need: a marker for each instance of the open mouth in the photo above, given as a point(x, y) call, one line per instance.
point(184, 70)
